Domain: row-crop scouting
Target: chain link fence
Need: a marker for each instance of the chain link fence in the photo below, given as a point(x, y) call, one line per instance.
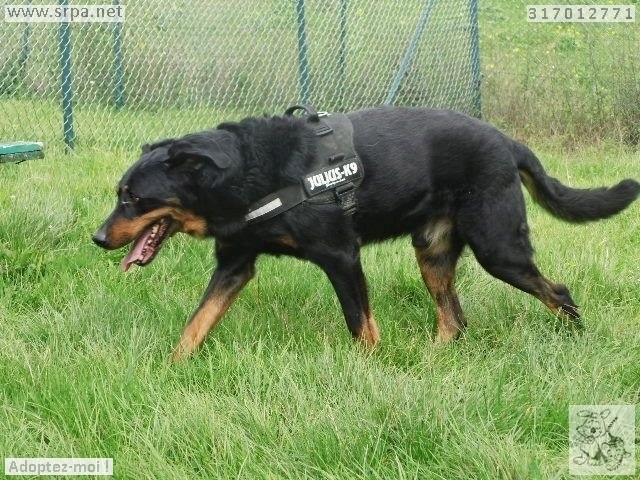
point(178, 66)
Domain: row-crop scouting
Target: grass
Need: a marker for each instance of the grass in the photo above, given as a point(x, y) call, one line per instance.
point(279, 390)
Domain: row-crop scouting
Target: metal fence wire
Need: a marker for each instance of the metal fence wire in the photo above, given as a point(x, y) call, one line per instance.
point(182, 65)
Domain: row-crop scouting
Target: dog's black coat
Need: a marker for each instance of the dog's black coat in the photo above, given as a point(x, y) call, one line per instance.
point(446, 179)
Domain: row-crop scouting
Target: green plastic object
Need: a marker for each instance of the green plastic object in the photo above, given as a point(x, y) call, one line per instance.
point(20, 151)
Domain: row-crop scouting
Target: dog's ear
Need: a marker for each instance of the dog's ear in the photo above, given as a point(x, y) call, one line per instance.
point(217, 147)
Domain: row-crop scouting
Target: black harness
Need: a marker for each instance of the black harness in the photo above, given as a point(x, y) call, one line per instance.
point(337, 170)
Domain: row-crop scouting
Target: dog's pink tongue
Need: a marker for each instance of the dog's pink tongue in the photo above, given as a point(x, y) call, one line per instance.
point(136, 252)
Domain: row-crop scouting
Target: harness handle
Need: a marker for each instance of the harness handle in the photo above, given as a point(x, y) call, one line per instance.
point(305, 107)
point(313, 118)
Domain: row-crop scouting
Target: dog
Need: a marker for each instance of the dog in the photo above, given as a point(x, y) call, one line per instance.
point(446, 179)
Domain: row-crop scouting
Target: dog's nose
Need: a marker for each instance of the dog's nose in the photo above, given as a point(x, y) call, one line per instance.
point(100, 238)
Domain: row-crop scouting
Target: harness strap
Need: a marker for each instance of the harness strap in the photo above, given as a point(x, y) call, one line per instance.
point(275, 203)
point(335, 182)
point(338, 170)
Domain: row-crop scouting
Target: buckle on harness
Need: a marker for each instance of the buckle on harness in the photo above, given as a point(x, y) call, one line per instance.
point(346, 196)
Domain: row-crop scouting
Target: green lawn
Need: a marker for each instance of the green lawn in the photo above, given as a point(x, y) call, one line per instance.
point(279, 390)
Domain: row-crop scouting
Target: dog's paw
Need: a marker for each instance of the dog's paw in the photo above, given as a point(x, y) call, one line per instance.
point(180, 354)
point(571, 310)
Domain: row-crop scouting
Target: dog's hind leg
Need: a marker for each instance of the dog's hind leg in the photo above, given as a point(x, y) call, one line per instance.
point(345, 274)
point(233, 271)
point(496, 229)
point(437, 251)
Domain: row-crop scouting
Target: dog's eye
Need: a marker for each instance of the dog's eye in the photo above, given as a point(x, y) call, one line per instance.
point(130, 199)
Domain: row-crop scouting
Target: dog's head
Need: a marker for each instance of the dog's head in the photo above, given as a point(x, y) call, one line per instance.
point(169, 190)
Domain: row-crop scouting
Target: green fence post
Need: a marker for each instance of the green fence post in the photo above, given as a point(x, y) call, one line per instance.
point(118, 87)
point(342, 54)
point(66, 81)
point(475, 58)
point(408, 56)
point(303, 54)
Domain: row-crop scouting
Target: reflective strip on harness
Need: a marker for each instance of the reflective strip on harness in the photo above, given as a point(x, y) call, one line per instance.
point(259, 212)
point(276, 203)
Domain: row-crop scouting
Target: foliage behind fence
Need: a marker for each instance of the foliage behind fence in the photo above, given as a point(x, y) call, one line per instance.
point(579, 82)
point(177, 66)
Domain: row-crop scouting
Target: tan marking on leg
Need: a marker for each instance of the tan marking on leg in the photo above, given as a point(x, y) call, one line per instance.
point(206, 317)
point(441, 288)
point(448, 329)
point(439, 283)
point(369, 333)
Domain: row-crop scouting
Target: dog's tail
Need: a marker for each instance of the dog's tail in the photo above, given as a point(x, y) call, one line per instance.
point(571, 204)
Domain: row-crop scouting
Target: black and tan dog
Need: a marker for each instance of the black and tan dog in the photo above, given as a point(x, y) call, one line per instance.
point(446, 179)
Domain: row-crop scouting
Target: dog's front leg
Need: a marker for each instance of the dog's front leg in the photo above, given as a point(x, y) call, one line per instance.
point(345, 273)
point(232, 273)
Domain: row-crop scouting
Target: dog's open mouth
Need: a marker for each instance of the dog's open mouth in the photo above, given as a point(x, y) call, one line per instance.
point(147, 246)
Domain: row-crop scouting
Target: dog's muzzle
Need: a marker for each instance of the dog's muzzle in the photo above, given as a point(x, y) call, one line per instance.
point(100, 237)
